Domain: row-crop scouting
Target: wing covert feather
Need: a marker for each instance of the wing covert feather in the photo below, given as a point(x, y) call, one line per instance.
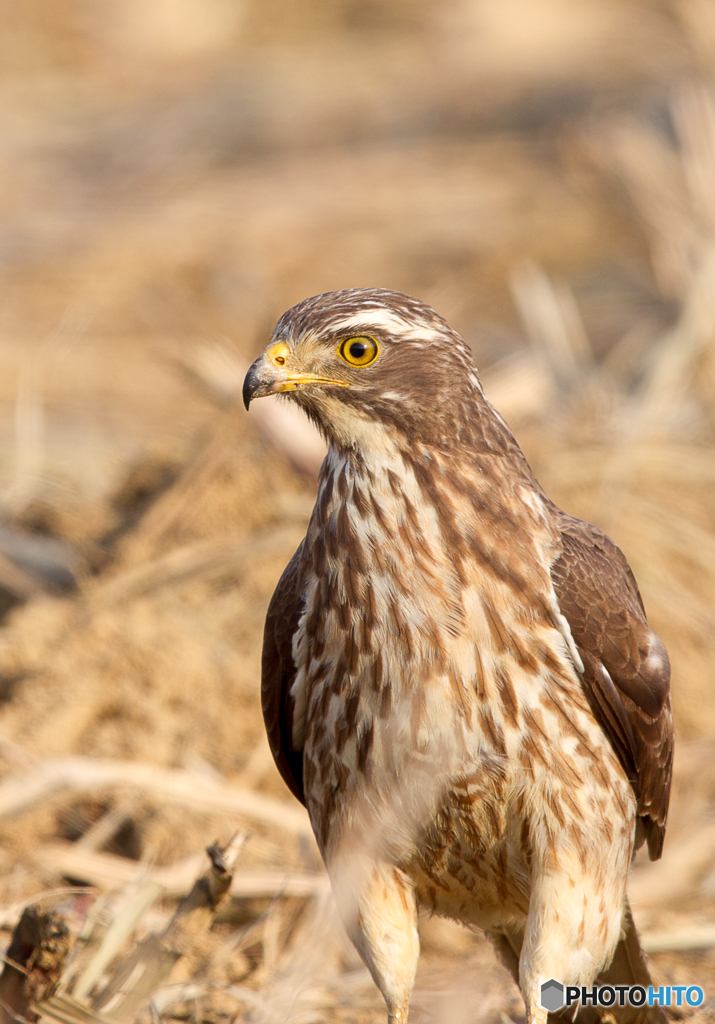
point(278, 672)
point(626, 667)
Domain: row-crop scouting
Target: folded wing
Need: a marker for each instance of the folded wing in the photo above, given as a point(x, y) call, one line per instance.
point(626, 667)
point(278, 673)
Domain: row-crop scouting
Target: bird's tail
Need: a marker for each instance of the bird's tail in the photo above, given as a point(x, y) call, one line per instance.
point(628, 967)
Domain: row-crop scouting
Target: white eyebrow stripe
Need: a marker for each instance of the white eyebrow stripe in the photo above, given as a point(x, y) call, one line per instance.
point(386, 320)
point(373, 317)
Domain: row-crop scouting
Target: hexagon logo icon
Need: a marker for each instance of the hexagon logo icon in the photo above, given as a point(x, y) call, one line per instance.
point(552, 995)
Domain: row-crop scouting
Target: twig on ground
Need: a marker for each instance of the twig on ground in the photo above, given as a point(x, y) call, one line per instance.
point(152, 960)
point(108, 871)
point(103, 830)
point(86, 775)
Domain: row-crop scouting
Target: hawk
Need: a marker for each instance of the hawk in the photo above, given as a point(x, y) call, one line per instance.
point(458, 678)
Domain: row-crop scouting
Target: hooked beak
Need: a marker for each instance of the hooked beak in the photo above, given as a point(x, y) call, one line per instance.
point(270, 375)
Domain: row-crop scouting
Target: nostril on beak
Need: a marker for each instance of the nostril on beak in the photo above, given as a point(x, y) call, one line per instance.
point(279, 360)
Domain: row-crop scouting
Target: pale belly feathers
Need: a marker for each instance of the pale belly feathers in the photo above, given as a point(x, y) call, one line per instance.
point(439, 708)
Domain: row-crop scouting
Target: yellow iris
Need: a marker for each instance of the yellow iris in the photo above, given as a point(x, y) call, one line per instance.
point(359, 351)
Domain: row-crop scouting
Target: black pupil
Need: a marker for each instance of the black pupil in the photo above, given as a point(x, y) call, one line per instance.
point(358, 349)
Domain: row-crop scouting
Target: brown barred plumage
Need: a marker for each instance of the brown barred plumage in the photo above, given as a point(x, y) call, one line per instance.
point(458, 679)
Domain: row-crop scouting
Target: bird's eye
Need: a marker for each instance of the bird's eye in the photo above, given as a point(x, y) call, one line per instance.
point(359, 351)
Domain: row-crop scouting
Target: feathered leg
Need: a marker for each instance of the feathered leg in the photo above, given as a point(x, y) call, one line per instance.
point(628, 967)
point(379, 910)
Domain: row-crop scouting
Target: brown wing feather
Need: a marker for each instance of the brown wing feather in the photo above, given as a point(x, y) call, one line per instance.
point(626, 668)
point(278, 673)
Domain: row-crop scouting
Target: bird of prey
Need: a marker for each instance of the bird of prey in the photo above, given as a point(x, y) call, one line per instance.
point(459, 681)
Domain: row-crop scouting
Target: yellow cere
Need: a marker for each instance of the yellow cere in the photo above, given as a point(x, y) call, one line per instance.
point(359, 351)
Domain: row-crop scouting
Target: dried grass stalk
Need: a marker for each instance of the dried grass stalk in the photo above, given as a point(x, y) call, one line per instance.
point(86, 775)
point(172, 505)
point(203, 560)
point(117, 934)
point(108, 871)
point(152, 960)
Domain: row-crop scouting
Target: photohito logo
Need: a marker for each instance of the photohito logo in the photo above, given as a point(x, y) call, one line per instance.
point(554, 995)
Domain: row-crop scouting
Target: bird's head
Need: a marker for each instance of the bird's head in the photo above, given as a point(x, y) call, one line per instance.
point(371, 366)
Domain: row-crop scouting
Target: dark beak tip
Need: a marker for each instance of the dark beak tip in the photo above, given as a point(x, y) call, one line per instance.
point(249, 386)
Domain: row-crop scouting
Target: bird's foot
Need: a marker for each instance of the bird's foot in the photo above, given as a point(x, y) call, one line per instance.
point(537, 1015)
point(399, 1014)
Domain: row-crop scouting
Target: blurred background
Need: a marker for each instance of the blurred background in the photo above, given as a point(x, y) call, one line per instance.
point(174, 174)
